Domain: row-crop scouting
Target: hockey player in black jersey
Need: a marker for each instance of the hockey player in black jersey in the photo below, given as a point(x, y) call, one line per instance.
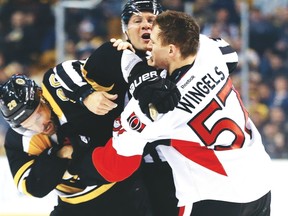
point(46, 123)
point(39, 143)
point(51, 128)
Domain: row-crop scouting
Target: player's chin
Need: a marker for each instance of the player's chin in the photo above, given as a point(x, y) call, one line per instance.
point(150, 62)
point(148, 48)
point(144, 42)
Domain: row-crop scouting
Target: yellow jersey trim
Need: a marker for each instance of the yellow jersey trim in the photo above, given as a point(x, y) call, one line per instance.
point(95, 85)
point(89, 196)
point(19, 174)
point(57, 110)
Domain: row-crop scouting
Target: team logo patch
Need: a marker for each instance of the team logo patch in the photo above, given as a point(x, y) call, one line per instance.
point(135, 123)
point(117, 124)
point(84, 139)
point(20, 81)
point(117, 127)
point(60, 93)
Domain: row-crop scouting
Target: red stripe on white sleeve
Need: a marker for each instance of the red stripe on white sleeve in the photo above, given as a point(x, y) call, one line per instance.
point(112, 166)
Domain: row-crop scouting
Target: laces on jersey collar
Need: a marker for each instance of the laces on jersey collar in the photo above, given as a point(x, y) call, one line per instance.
point(180, 72)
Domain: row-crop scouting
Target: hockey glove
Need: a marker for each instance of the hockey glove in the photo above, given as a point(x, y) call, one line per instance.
point(80, 145)
point(160, 92)
point(148, 87)
point(67, 135)
point(53, 150)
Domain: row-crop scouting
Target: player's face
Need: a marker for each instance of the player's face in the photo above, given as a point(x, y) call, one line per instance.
point(40, 120)
point(159, 53)
point(139, 29)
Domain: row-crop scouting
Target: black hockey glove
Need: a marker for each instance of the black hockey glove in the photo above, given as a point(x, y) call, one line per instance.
point(149, 88)
point(67, 135)
point(81, 145)
point(53, 150)
point(155, 90)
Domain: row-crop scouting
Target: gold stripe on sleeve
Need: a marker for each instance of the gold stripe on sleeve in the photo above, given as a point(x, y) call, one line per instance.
point(24, 188)
point(20, 172)
point(95, 85)
point(89, 196)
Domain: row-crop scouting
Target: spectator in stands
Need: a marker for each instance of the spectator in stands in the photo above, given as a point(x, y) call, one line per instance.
point(272, 66)
point(38, 12)
point(88, 41)
point(263, 34)
point(280, 93)
point(275, 132)
point(172, 5)
point(258, 111)
point(249, 55)
point(20, 38)
point(227, 29)
point(202, 12)
point(265, 93)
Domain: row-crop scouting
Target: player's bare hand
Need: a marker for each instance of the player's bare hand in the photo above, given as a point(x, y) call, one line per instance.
point(65, 152)
point(100, 102)
point(121, 45)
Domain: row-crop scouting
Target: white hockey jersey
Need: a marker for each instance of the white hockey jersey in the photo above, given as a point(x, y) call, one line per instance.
point(210, 142)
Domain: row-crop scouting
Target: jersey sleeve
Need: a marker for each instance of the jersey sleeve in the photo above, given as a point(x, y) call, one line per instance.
point(34, 175)
point(229, 54)
point(104, 65)
point(69, 75)
point(99, 72)
point(106, 164)
point(116, 161)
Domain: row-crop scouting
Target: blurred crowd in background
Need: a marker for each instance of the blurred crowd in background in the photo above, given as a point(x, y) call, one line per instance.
point(27, 45)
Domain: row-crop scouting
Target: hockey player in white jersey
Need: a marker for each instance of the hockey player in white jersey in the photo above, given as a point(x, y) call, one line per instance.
point(218, 160)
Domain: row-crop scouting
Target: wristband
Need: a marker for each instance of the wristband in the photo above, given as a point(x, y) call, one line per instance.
point(85, 95)
point(53, 150)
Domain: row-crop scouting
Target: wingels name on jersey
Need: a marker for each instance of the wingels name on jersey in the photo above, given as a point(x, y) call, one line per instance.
point(200, 90)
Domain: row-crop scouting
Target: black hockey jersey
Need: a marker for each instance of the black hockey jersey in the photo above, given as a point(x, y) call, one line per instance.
point(34, 171)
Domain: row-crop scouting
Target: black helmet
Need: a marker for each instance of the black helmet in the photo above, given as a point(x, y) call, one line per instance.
point(136, 6)
point(19, 97)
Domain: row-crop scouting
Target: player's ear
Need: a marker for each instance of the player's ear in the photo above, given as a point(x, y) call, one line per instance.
point(172, 49)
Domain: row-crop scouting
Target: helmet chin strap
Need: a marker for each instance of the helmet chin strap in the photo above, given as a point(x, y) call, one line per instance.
point(126, 35)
